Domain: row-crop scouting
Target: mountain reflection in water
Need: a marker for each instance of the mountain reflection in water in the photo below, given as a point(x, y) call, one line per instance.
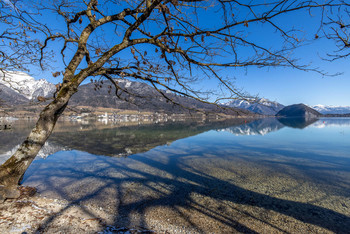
point(297, 122)
point(238, 175)
point(122, 141)
point(110, 140)
point(287, 174)
point(113, 140)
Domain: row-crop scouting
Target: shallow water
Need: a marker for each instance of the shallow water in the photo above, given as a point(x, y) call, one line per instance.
point(237, 175)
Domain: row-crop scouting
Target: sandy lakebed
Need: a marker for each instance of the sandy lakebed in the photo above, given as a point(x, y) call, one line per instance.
point(219, 201)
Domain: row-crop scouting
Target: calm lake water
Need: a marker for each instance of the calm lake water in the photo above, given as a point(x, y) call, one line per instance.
point(235, 175)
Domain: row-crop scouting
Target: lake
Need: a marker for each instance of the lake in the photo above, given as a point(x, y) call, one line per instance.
point(266, 175)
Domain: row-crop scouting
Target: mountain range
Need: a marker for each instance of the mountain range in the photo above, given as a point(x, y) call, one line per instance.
point(145, 98)
point(9, 96)
point(266, 107)
point(26, 86)
point(331, 109)
point(261, 106)
point(18, 88)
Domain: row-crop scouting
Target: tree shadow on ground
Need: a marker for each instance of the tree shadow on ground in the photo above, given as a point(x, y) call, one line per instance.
point(172, 191)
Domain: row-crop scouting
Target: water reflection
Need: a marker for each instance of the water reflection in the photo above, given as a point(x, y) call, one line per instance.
point(115, 140)
point(126, 140)
point(332, 122)
point(206, 177)
point(258, 127)
point(111, 140)
point(297, 122)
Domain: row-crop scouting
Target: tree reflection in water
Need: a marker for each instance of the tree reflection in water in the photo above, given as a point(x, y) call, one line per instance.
point(201, 182)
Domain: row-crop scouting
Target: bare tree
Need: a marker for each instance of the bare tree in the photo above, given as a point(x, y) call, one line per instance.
point(338, 30)
point(19, 43)
point(169, 44)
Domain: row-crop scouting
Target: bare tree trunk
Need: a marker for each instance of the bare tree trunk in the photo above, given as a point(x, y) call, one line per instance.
point(14, 168)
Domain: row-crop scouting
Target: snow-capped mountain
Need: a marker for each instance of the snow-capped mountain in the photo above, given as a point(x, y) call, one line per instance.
point(260, 106)
point(323, 109)
point(26, 85)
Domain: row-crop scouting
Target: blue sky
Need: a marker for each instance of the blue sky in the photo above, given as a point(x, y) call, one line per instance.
point(288, 86)
point(291, 86)
point(285, 85)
